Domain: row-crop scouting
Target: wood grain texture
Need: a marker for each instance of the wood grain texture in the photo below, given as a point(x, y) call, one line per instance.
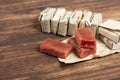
point(20, 36)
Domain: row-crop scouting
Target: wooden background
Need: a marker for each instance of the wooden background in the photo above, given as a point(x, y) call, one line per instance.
point(20, 36)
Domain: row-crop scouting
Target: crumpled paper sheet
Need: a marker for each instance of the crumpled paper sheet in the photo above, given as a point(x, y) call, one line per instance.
point(101, 51)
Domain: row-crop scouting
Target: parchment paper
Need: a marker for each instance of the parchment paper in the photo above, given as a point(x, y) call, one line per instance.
point(101, 51)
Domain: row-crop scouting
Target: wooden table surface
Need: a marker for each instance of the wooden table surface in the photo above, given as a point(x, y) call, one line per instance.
point(20, 36)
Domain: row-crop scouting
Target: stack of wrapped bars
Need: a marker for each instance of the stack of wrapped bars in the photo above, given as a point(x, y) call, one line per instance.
point(61, 22)
point(109, 33)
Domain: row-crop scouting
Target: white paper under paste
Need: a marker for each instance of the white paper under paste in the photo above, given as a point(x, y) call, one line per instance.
point(101, 51)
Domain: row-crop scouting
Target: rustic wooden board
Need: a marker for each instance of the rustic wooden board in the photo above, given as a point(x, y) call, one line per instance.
point(20, 37)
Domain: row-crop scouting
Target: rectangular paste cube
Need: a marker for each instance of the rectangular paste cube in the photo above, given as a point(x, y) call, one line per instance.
point(81, 52)
point(85, 38)
point(63, 24)
point(87, 51)
point(55, 48)
point(74, 22)
point(60, 12)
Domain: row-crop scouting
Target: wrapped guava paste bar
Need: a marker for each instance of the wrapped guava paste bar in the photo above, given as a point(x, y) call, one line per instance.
point(45, 18)
point(87, 16)
point(55, 48)
point(60, 12)
point(111, 30)
point(96, 21)
point(109, 43)
point(109, 34)
point(85, 38)
point(74, 21)
point(63, 23)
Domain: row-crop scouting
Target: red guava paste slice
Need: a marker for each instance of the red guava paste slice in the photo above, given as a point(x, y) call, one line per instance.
point(81, 52)
point(55, 48)
point(85, 38)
